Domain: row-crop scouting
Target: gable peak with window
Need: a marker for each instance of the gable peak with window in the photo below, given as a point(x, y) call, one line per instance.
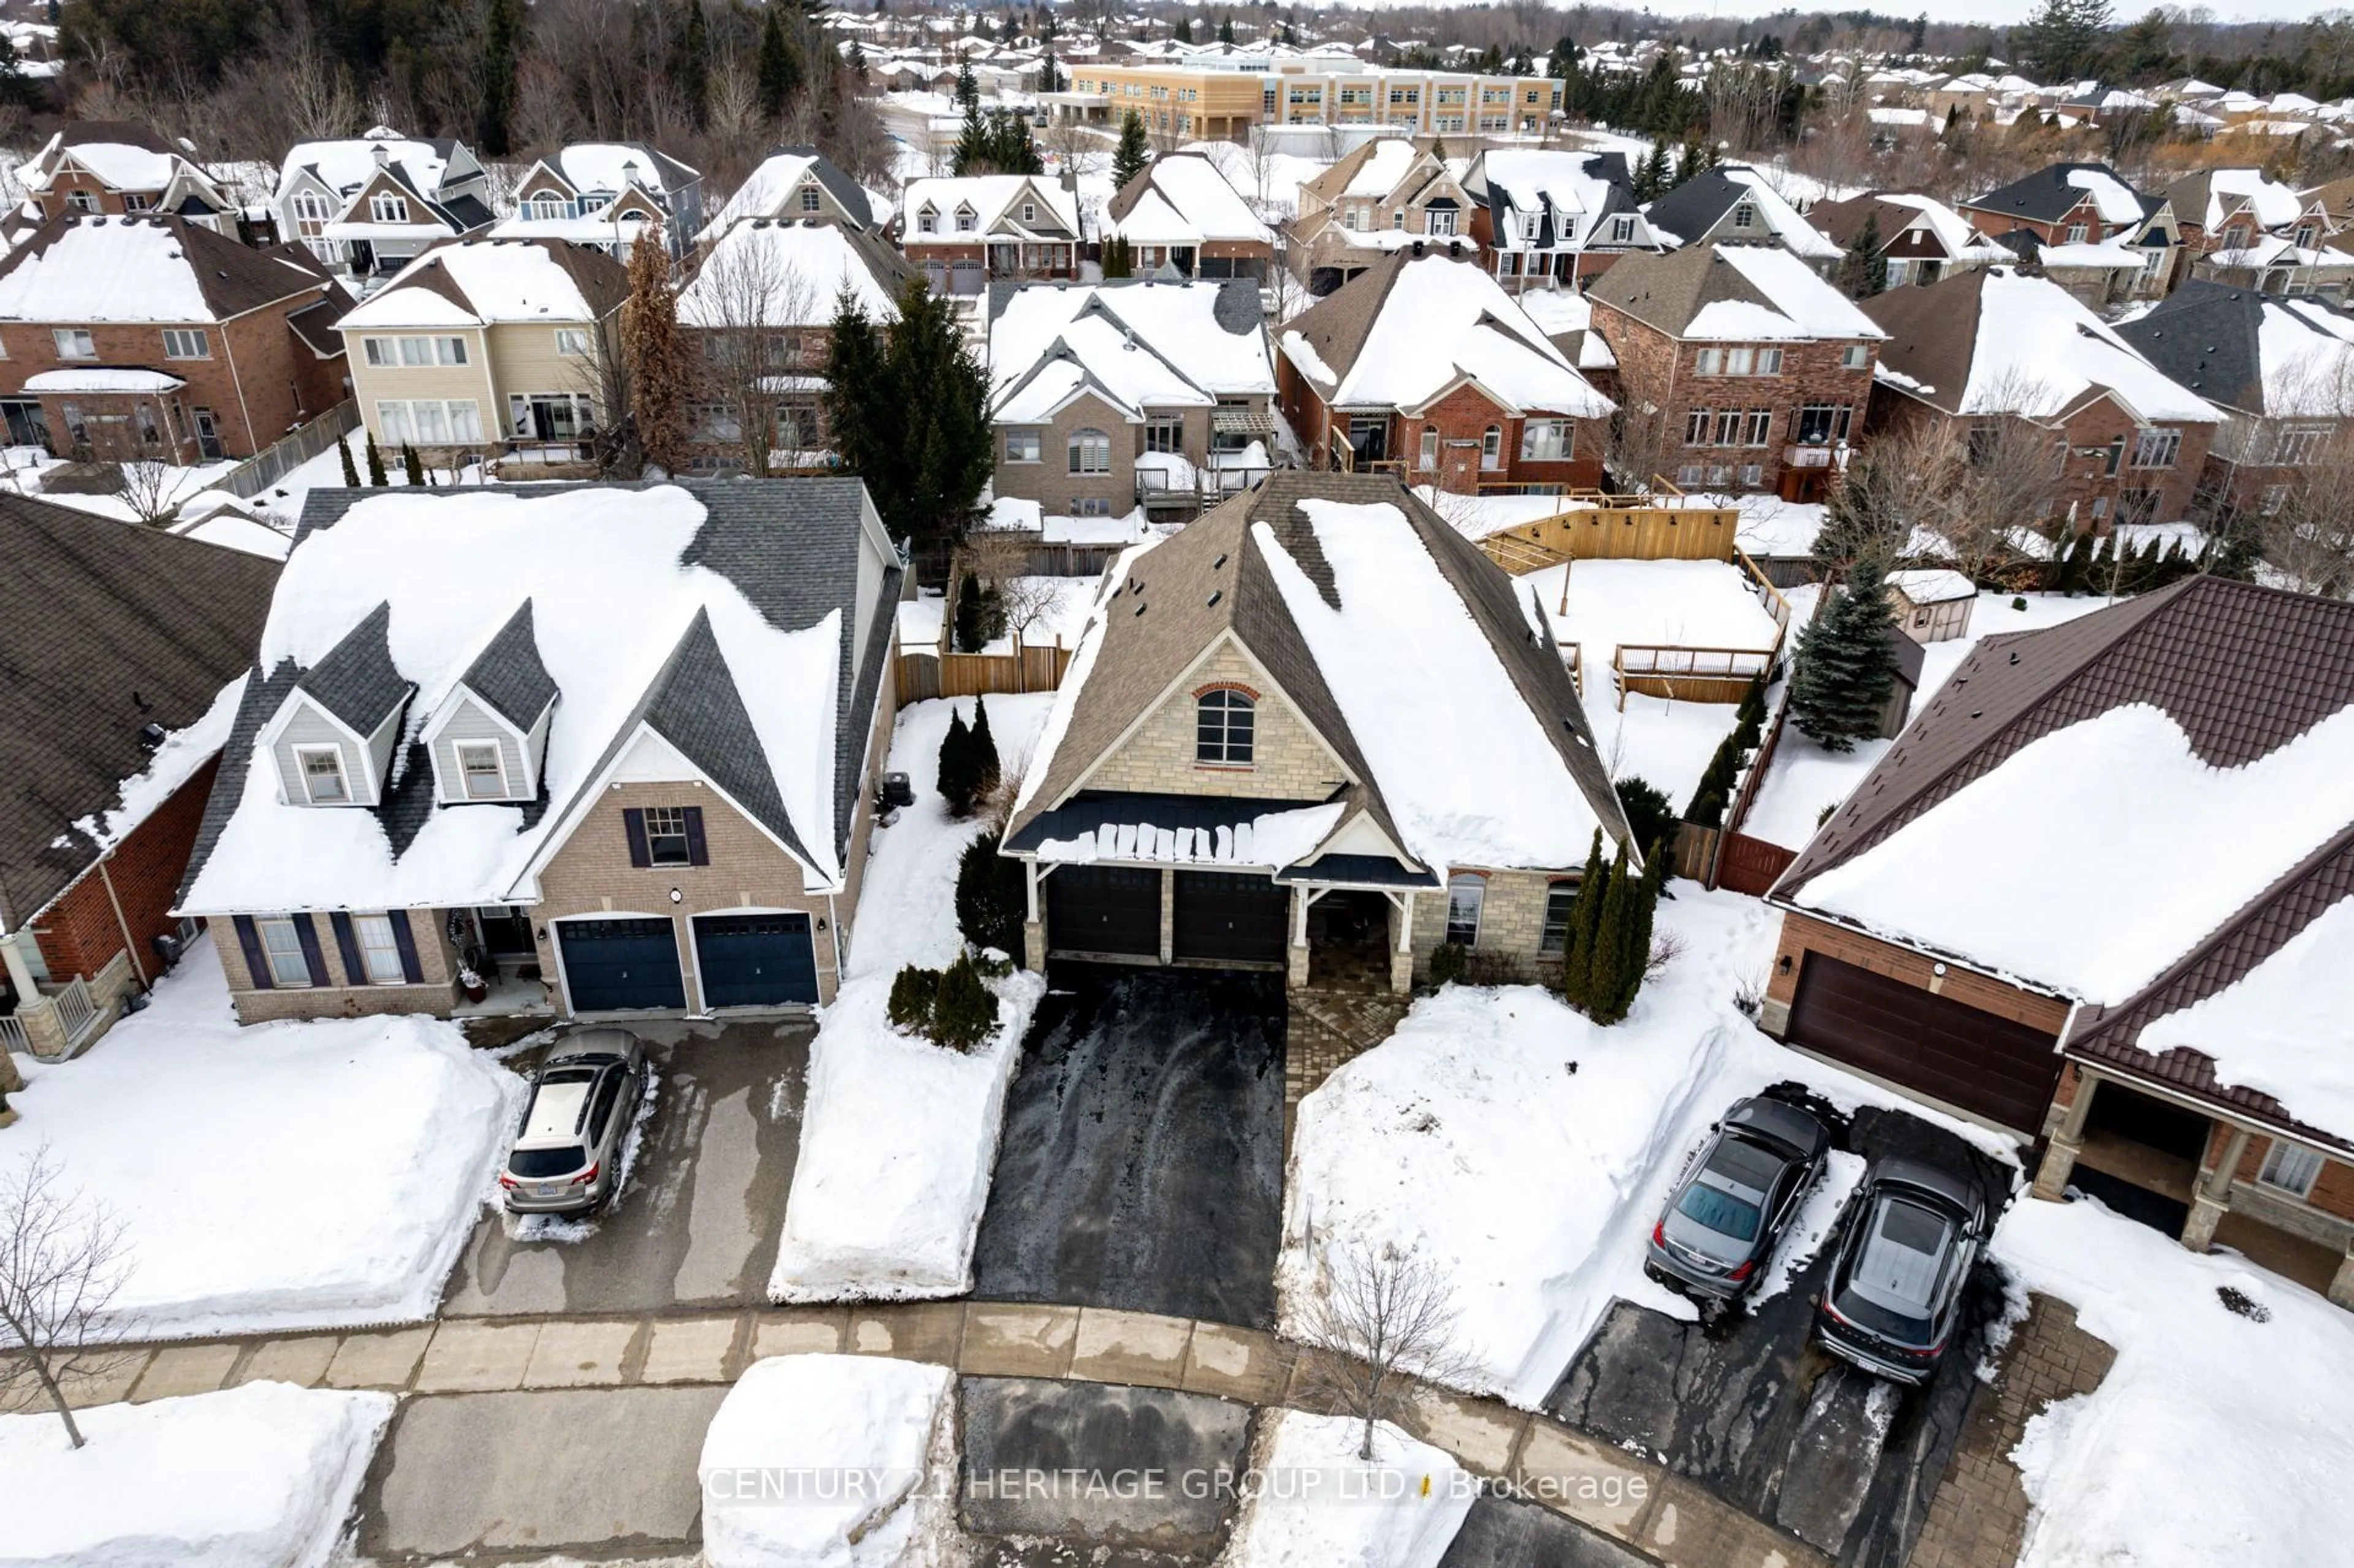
point(335, 734)
point(488, 739)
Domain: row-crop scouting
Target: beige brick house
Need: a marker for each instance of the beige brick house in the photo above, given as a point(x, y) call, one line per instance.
point(619, 761)
point(1312, 734)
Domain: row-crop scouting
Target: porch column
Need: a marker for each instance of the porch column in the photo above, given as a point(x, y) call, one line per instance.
point(1167, 915)
point(1402, 959)
point(2067, 1140)
point(1034, 930)
point(20, 974)
point(2341, 1285)
point(1295, 966)
point(2211, 1199)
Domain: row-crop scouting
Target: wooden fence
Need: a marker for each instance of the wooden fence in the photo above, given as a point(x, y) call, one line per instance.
point(1750, 865)
point(1630, 528)
point(924, 675)
point(1687, 674)
point(290, 451)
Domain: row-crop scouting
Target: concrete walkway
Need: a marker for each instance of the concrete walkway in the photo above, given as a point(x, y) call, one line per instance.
point(1531, 1456)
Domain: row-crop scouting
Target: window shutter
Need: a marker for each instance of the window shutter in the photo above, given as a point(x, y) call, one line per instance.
point(349, 945)
point(405, 941)
point(257, 963)
point(697, 852)
point(633, 822)
point(307, 932)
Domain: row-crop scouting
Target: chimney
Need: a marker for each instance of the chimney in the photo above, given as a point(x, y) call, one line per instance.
point(1069, 178)
point(383, 156)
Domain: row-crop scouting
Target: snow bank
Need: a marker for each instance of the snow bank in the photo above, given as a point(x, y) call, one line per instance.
point(831, 1462)
point(899, 1136)
point(265, 1473)
point(2215, 1438)
point(1320, 1506)
point(282, 1176)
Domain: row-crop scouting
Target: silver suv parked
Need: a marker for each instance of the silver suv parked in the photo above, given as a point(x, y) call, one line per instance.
point(566, 1154)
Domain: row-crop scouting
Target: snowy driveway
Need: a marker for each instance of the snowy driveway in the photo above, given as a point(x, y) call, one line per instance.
point(1142, 1165)
point(696, 1222)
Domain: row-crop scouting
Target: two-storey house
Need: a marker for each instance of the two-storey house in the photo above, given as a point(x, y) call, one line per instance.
point(369, 204)
point(1180, 212)
point(1551, 218)
point(2088, 228)
point(607, 194)
point(1919, 238)
point(969, 232)
point(801, 184)
point(1734, 205)
point(1390, 195)
point(117, 166)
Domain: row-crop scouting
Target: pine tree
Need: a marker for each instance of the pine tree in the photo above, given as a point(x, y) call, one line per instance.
point(915, 426)
point(1863, 270)
point(988, 898)
point(502, 40)
point(986, 769)
point(412, 467)
point(956, 766)
point(376, 463)
point(968, 88)
point(1845, 668)
point(972, 149)
point(1118, 257)
point(661, 376)
point(1584, 916)
point(1134, 151)
point(1605, 980)
point(1642, 905)
point(964, 1013)
point(1185, 33)
point(1227, 28)
point(351, 474)
point(690, 62)
point(780, 69)
point(2074, 564)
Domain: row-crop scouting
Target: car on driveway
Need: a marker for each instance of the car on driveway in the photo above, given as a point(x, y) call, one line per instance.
point(566, 1154)
point(1894, 1299)
point(1736, 1197)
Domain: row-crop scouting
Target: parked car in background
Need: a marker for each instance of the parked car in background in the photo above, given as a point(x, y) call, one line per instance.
point(1894, 1298)
point(1736, 1197)
point(566, 1155)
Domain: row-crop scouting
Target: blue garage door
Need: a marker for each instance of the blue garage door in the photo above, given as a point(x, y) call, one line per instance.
point(618, 965)
point(756, 960)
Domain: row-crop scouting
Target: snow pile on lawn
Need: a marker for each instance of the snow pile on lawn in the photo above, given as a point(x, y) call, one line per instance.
point(1320, 1506)
point(281, 1176)
point(831, 1462)
point(2216, 1437)
point(2054, 807)
point(264, 1473)
point(899, 1136)
point(1684, 604)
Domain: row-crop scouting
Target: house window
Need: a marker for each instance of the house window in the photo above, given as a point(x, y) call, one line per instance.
point(429, 421)
point(1740, 362)
point(1491, 448)
point(186, 343)
point(323, 775)
point(666, 836)
point(74, 342)
point(1428, 455)
point(1769, 362)
point(2078, 233)
point(1756, 426)
point(2274, 500)
point(379, 954)
point(1224, 722)
point(1020, 446)
point(928, 222)
point(1711, 361)
point(281, 948)
point(1089, 452)
point(2298, 443)
point(1819, 424)
point(82, 201)
point(1029, 212)
point(1744, 216)
point(1728, 427)
point(1553, 937)
point(1697, 425)
point(388, 209)
point(1622, 231)
point(1690, 474)
point(1164, 433)
point(2157, 448)
point(547, 206)
point(965, 220)
point(1531, 224)
point(2291, 1169)
point(482, 770)
point(410, 352)
point(1545, 440)
point(1438, 222)
point(1466, 891)
point(1855, 357)
point(570, 342)
point(810, 198)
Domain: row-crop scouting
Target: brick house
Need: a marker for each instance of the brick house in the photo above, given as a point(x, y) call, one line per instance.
point(760, 311)
point(137, 336)
point(619, 762)
point(126, 648)
point(605, 194)
point(1424, 368)
point(1551, 217)
point(1995, 344)
point(118, 167)
point(984, 229)
point(367, 205)
point(2147, 1023)
point(1734, 205)
point(1747, 371)
point(1391, 194)
point(1180, 212)
point(1311, 733)
point(2089, 230)
point(1108, 396)
point(2280, 371)
point(1921, 239)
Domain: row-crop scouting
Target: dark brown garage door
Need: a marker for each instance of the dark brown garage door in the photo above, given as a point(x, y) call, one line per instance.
point(1229, 917)
point(1104, 909)
point(1987, 1065)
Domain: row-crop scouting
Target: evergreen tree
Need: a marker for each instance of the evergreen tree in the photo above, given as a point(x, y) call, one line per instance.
point(1561, 60)
point(1650, 819)
point(972, 149)
point(1118, 257)
point(956, 771)
point(779, 66)
point(1642, 903)
point(967, 89)
point(502, 40)
point(2062, 40)
point(412, 468)
point(2074, 564)
point(690, 62)
point(1227, 30)
point(1585, 917)
point(1652, 175)
point(986, 769)
point(1050, 76)
point(988, 898)
point(1605, 979)
point(351, 474)
point(376, 463)
point(661, 373)
point(1845, 667)
point(964, 1013)
point(1863, 270)
point(1185, 33)
point(909, 411)
point(1134, 153)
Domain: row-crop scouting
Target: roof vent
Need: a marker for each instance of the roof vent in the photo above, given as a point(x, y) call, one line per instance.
point(1219, 562)
point(1140, 607)
point(1215, 595)
point(153, 734)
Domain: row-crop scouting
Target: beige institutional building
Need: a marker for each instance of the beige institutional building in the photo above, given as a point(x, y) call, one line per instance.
point(1226, 103)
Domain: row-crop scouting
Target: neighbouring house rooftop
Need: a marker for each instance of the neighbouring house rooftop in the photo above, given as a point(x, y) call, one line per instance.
point(78, 268)
point(1733, 292)
point(484, 282)
point(1181, 198)
point(1694, 207)
point(768, 189)
point(2053, 192)
point(1136, 343)
point(781, 272)
point(2249, 351)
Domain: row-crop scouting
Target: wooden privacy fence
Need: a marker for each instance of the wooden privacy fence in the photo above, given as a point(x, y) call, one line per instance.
point(923, 673)
point(1687, 674)
point(1750, 865)
point(290, 451)
point(1595, 527)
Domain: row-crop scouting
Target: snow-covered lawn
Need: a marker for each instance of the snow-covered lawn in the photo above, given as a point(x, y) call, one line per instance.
point(1612, 604)
point(281, 1176)
point(1664, 743)
point(2215, 1438)
point(264, 1473)
point(1319, 1506)
point(832, 1462)
point(898, 1136)
point(158, 491)
point(1523, 1153)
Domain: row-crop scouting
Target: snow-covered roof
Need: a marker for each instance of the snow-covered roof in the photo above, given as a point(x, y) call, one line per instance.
point(2112, 198)
point(1139, 345)
point(995, 201)
point(1934, 586)
point(767, 190)
point(495, 281)
point(1187, 201)
point(1797, 304)
point(2109, 255)
point(101, 379)
point(597, 228)
point(2039, 350)
point(1383, 167)
point(120, 165)
point(1698, 205)
point(617, 165)
point(2274, 205)
point(1959, 236)
point(122, 269)
point(796, 272)
point(348, 164)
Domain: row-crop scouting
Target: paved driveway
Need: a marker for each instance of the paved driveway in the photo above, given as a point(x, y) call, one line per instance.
point(698, 1220)
point(1764, 1418)
point(1142, 1165)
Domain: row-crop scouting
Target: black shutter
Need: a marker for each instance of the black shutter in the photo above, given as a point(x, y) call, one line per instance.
point(697, 852)
point(633, 822)
point(349, 945)
point(257, 962)
point(405, 940)
point(307, 933)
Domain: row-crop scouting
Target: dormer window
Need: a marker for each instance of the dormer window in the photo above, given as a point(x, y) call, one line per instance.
point(482, 770)
point(1029, 212)
point(324, 783)
point(965, 220)
point(928, 222)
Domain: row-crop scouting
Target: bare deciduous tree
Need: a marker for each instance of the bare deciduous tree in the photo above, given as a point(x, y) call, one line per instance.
point(150, 488)
point(1641, 438)
point(62, 1261)
point(1381, 1322)
point(747, 309)
point(2307, 534)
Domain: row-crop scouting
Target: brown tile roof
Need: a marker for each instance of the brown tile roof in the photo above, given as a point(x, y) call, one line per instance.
point(1932, 334)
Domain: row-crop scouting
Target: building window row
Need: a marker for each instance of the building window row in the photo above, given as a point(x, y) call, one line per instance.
point(1728, 427)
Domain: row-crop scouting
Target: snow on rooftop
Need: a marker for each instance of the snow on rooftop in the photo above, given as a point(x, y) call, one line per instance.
point(2274, 205)
point(781, 274)
point(1271, 838)
point(1147, 344)
point(1931, 586)
point(184, 752)
point(993, 198)
point(349, 163)
point(1954, 232)
point(2122, 791)
point(608, 167)
point(2040, 351)
point(111, 269)
point(764, 193)
point(2307, 356)
point(1444, 319)
point(2112, 197)
point(1798, 236)
point(120, 165)
point(1686, 604)
point(1194, 202)
point(1382, 169)
point(1802, 306)
point(504, 282)
point(1465, 764)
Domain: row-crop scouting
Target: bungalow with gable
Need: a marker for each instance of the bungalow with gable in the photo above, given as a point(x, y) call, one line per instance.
point(371, 204)
point(1920, 238)
point(1390, 195)
point(619, 762)
point(984, 228)
point(1551, 217)
point(605, 194)
point(2087, 227)
point(798, 183)
point(1180, 212)
point(2170, 1033)
point(117, 166)
point(1424, 368)
point(1734, 205)
point(1312, 734)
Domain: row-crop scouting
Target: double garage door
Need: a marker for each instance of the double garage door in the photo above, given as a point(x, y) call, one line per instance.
point(633, 965)
point(1219, 917)
point(1942, 1049)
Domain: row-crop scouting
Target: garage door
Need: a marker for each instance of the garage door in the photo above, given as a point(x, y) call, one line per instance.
point(1987, 1065)
point(615, 965)
point(756, 960)
point(1104, 909)
point(1230, 918)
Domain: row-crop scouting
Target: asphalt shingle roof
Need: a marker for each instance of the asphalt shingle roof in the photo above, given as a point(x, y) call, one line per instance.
point(357, 682)
point(508, 674)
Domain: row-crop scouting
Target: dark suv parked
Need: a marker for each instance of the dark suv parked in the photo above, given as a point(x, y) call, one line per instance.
point(1894, 1298)
point(1735, 1199)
